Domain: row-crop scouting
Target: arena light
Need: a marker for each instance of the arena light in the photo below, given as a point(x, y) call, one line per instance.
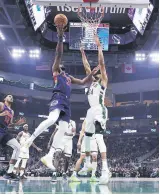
point(2, 36)
point(34, 53)
point(17, 53)
point(154, 57)
point(140, 56)
point(1, 79)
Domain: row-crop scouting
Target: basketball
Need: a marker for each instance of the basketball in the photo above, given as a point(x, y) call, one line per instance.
point(60, 20)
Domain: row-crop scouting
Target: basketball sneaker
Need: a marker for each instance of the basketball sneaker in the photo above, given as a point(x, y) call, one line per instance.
point(93, 179)
point(74, 179)
point(104, 179)
point(54, 177)
point(83, 172)
point(64, 176)
point(47, 160)
point(11, 176)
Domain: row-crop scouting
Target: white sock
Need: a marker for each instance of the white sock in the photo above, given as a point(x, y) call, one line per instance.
point(105, 165)
point(11, 167)
point(21, 172)
point(94, 165)
point(88, 160)
point(74, 173)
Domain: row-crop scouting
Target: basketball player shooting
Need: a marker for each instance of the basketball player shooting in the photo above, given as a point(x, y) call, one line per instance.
point(97, 115)
point(59, 110)
point(6, 120)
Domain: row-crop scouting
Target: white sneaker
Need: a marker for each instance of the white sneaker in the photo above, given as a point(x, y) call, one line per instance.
point(104, 179)
point(83, 172)
point(89, 167)
point(47, 160)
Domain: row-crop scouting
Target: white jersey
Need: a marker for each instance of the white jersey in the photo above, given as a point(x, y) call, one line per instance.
point(24, 137)
point(71, 126)
point(96, 94)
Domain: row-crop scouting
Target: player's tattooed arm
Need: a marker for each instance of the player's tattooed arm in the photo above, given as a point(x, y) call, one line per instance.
point(86, 79)
point(19, 136)
point(59, 52)
point(101, 63)
point(85, 61)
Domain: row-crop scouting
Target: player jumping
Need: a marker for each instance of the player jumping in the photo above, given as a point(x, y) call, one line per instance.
point(97, 115)
point(60, 102)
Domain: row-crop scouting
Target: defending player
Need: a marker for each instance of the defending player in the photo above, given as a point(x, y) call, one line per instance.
point(6, 120)
point(60, 102)
point(97, 115)
point(24, 152)
point(66, 148)
point(94, 153)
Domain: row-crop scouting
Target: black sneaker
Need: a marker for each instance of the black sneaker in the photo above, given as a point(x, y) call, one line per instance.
point(54, 177)
point(7, 176)
point(14, 177)
point(64, 176)
point(23, 177)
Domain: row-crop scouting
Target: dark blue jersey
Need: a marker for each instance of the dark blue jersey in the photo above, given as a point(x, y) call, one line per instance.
point(6, 118)
point(62, 84)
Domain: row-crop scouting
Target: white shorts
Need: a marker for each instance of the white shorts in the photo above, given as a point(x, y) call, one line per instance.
point(93, 146)
point(97, 113)
point(67, 146)
point(24, 153)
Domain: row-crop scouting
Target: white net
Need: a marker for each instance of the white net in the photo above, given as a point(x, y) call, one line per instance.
point(91, 17)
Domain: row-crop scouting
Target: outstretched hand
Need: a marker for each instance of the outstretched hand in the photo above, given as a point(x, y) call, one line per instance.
point(95, 70)
point(21, 121)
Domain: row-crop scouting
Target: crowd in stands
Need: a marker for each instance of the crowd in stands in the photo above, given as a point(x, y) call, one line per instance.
point(123, 158)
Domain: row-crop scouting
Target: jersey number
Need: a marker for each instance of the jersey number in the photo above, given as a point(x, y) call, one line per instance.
point(90, 92)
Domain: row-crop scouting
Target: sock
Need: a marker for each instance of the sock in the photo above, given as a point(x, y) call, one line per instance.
point(74, 173)
point(11, 167)
point(21, 172)
point(105, 165)
point(94, 165)
point(88, 160)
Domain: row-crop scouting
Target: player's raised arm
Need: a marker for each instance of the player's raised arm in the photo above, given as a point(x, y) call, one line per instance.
point(59, 52)
point(85, 62)
point(101, 63)
point(86, 79)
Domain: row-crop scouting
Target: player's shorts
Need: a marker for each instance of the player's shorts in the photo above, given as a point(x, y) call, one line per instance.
point(97, 113)
point(4, 137)
point(93, 146)
point(67, 146)
point(24, 153)
point(61, 102)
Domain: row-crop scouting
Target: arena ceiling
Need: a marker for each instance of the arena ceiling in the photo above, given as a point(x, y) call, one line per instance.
point(18, 33)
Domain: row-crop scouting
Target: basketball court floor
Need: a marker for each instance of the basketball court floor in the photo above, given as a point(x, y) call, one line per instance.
point(115, 186)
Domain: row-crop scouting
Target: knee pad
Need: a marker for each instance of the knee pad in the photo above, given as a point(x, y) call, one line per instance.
point(24, 163)
point(100, 143)
point(98, 128)
point(88, 134)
